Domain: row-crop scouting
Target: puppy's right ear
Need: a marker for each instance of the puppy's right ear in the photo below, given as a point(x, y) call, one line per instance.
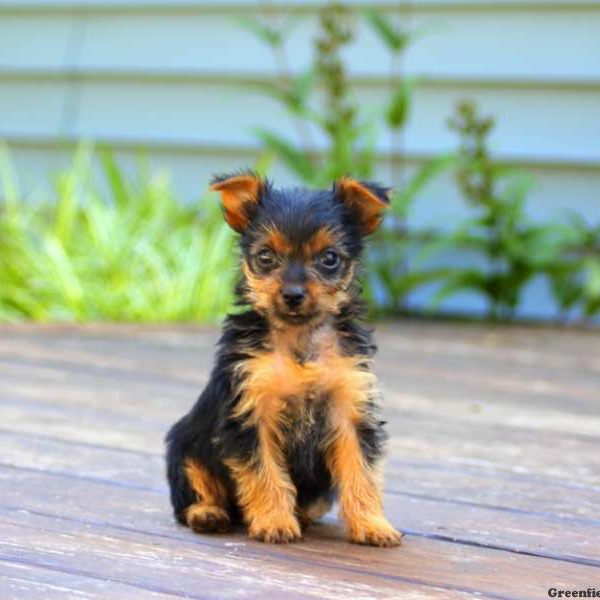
point(366, 200)
point(240, 193)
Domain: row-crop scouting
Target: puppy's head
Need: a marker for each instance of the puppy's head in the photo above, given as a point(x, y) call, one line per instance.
point(299, 247)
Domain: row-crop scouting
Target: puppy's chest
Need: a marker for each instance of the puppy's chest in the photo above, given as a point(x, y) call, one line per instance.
point(297, 382)
point(304, 403)
point(299, 372)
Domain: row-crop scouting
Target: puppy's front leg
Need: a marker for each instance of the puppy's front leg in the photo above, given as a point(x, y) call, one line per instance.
point(361, 506)
point(265, 491)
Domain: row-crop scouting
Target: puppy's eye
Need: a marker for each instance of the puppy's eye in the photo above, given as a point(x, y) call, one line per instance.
point(330, 260)
point(266, 258)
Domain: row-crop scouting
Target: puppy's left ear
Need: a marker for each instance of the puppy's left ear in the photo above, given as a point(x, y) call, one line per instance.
point(366, 200)
point(240, 193)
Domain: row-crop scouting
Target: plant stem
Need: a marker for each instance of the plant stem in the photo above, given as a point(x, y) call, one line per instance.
point(285, 77)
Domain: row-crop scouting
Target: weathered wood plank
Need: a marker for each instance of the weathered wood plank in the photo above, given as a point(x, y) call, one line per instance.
point(136, 416)
point(437, 369)
point(554, 351)
point(220, 567)
point(494, 489)
point(34, 582)
point(572, 459)
point(142, 508)
point(550, 352)
point(463, 485)
point(325, 566)
point(172, 566)
point(86, 426)
point(534, 403)
point(190, 364)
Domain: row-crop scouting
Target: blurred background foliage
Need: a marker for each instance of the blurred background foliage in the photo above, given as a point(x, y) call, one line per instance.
point(124, 251)
point(125, 248)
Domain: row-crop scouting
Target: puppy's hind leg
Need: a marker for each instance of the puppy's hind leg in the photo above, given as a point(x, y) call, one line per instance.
point(209, 512)
point(200, 499)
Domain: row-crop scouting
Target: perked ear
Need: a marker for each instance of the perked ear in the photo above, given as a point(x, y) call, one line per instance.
point(238, 193)
point(367, 200)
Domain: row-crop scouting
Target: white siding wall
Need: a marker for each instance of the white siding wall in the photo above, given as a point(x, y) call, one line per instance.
point(164, 75)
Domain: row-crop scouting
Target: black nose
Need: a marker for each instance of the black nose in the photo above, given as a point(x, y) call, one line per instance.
point(293, 295)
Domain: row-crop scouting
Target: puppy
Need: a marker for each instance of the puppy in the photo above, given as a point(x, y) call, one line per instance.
point(289, 418)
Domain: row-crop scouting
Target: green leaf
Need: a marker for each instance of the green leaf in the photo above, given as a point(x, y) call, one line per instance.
point(304, 86)
point(458, 281)
point(394, 39)
point(296, 160)
point(267, 34)
point(62, 268)
point(519, 183)
point(70, 188)
point(412, 280)
point(565, 284)
point(399, 107)
point(264, 162)
point(592, 307)
point(592, 267)
point(402, 199)
point(435, 243)
point(116, 182)
point(293, 93)
point(8, 182)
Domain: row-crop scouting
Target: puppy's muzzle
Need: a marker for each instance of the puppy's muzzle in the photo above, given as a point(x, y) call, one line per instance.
point(293, 296)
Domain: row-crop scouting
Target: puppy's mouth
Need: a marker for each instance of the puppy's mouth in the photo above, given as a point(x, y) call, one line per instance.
point(296, 317)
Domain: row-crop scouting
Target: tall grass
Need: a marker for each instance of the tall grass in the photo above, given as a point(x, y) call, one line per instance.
point(111, 248)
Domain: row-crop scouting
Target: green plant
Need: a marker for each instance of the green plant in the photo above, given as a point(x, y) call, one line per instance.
point(323, 104)
point(320, 103)
point(575, 275)
point(514, 249)
point(130, 253)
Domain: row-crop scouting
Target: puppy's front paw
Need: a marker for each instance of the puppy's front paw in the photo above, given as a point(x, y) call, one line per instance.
point(375, 531)
point(275, 529)
point(207, 519)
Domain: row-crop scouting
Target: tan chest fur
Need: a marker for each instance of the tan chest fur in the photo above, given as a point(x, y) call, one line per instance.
point(299, 368)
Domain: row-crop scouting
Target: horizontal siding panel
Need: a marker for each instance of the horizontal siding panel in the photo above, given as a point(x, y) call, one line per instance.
point(521, 44)
point(219, 114)
point(178, 76)
point(554, 193)
point(527, 44)
point(207, 114)
point(253, 151)
point(569, 125)
point(40, 42)
point(33, 108)
point(287, 5)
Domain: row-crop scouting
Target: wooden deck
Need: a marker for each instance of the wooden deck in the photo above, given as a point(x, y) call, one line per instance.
point(493, 471)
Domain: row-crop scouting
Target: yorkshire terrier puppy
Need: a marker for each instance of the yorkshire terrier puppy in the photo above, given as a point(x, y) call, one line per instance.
point(289, 418)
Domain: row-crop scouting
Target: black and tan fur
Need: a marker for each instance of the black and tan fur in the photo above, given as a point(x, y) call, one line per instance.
point(289, 419)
